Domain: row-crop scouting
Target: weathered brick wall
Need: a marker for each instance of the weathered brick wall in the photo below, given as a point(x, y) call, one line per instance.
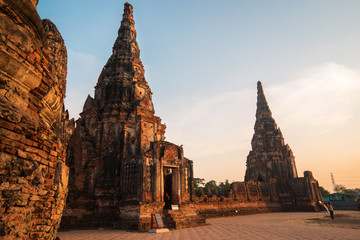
point(225, 208)
point(146, 209)
point(306, 193)
point(85, 217)
point(298, 194)
point(34, 128)
point(130, 215)
point(244, 198)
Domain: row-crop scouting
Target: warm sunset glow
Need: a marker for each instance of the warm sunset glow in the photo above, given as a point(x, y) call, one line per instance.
point(203, 59)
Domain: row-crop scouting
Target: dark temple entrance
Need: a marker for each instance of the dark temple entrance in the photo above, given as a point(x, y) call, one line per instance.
point(168, 187)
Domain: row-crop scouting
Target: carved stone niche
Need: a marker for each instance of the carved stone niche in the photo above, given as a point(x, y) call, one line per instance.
point(171, 178)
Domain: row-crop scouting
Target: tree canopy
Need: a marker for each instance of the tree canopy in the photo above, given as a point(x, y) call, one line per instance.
point(342, 189)
point(211, 187)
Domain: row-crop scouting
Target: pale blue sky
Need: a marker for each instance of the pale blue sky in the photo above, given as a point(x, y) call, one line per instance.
point(202, 59)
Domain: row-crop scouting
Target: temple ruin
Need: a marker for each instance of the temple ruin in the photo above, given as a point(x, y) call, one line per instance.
point(270, 157)
point(34, 128)
point(271, 181)
point(121, 168)
point(116, 163)
point(271, 160)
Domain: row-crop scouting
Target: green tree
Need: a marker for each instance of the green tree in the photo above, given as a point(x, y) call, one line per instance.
point(198, 186)
point(342, 189)
point(353, 191)
point(323, 191)
point(211, 187)
point(339, 188)
point(199, 182)
point(224, 188)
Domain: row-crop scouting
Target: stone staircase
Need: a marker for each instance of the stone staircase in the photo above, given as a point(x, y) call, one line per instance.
point(177, 219)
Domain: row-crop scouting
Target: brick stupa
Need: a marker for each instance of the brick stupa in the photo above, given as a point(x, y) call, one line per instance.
point(121, 169)
point(270, 157)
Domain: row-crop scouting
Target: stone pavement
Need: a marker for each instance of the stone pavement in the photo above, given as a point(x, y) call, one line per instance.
point(260, 226)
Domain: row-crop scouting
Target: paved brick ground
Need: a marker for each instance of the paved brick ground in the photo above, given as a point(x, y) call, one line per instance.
point(260, 226)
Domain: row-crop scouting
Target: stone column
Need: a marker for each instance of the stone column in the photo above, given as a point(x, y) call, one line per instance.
point(191, 181)
point(161, 176)
point(176, 193)
point(157, 175)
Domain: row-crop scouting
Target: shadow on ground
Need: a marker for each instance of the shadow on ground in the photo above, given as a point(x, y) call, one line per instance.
point(349, 220)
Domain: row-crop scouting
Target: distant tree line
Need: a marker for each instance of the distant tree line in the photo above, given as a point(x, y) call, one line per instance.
point(211, 188)
point(340, 189)
point(223, 188)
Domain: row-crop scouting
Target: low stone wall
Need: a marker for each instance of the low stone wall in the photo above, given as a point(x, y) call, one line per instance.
point(222, 207)
point(297, 194)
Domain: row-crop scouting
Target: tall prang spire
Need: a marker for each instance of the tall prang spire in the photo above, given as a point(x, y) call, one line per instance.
point(270, 157)
point(118, 153)
point(262, 109)
point(126, 45)
point(122, 80)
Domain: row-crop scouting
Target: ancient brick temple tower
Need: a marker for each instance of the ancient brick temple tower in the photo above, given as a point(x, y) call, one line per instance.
point(270, 157)
point(121, 169)
point(271, 162)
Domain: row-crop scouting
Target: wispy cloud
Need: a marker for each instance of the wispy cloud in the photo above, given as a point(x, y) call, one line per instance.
point(323, 98)
point(216, 130)
point(319, 114)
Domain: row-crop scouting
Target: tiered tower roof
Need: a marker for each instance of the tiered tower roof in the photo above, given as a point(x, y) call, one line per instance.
point(124, 70)
point(270, 157)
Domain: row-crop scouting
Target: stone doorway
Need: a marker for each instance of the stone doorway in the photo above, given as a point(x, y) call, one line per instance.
point(167, 187)
point(171, 187)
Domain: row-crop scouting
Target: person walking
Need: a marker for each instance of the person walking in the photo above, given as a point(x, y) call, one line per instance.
point(331, 210)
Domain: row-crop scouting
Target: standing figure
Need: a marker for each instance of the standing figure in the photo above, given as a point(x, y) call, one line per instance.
point(331, 211)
